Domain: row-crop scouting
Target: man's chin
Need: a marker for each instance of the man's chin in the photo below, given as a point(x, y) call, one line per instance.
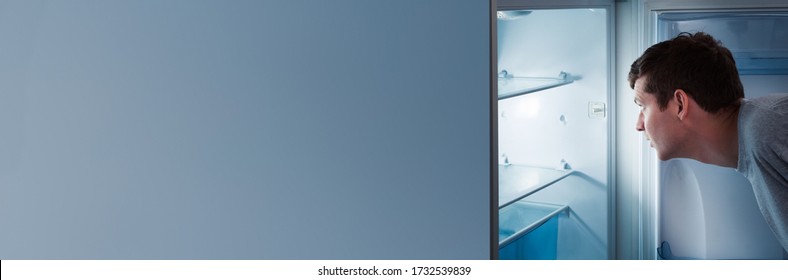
point(664, 157)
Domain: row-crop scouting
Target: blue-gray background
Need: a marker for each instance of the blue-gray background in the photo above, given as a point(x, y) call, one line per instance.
point(181, 129)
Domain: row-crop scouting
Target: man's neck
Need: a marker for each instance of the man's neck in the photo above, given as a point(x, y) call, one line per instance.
point(719, 139)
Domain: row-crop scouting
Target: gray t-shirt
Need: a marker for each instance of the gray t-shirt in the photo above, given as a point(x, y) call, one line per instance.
point(763, 157)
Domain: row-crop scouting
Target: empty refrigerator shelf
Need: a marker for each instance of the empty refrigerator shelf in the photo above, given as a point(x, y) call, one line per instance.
point(518, 181)
point(515, 86)
point(523, 217)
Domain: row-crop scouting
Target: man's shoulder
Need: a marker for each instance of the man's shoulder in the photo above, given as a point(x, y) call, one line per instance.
point(763, 124)
point(770, 110)
point(774, 103)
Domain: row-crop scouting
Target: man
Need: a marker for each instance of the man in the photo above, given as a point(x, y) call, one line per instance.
point(692, 106)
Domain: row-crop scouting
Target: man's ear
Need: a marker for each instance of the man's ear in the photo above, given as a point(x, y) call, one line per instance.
point(682, 100)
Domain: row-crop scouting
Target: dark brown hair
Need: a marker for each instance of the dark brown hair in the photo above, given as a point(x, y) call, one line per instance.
point(696, 63)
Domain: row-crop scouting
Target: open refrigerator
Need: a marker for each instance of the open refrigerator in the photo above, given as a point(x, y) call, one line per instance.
point(554, 130)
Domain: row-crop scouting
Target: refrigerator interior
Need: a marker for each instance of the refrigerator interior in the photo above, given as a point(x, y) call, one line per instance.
point(710, 212)
point(553, 89)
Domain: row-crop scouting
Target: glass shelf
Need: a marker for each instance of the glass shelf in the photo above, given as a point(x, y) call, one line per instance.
point(522, 217)
point(756, 38)
point(772, 62)
point(518, 181)
point(515, 86)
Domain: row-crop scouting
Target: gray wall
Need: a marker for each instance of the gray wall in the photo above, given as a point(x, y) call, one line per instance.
point(341, 129)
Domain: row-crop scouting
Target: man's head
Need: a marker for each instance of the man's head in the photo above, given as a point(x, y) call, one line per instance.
point(689, 70)
point(695, 63)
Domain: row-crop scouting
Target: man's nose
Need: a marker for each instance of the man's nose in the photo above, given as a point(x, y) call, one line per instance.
point(639, 125)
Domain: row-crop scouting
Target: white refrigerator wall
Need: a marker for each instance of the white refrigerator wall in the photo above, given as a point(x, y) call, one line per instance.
point(543, 44)
point(542, 128)
point(761, 85)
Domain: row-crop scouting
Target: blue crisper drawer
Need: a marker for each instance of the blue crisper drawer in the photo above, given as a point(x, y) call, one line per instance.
point(529, 231)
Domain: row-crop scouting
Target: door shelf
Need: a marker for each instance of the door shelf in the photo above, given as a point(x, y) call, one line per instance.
point(518, 181)
point(509, 86)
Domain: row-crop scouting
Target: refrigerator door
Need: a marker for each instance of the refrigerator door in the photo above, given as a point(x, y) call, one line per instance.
point(710, 212)
point(211, 129)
